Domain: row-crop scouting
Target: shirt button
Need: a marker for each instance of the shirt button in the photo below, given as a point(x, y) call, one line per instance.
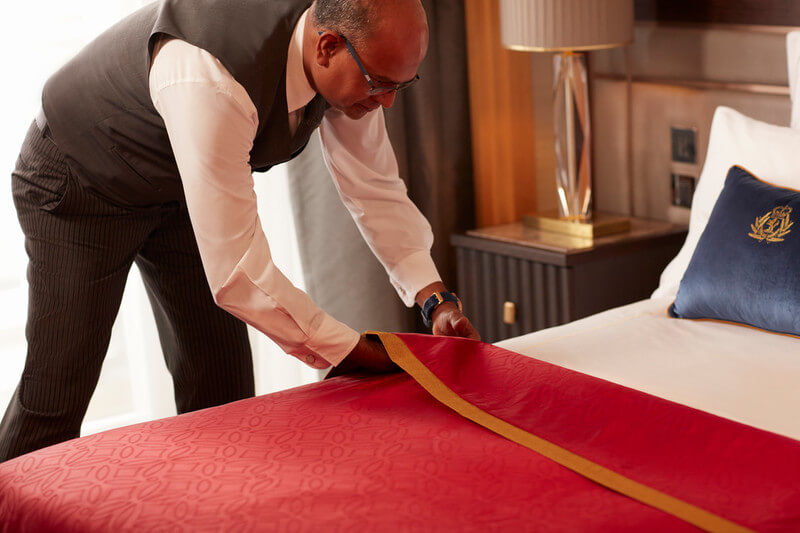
point(310, 359)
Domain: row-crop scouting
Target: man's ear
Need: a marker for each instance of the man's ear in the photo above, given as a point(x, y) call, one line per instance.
point(327, 46)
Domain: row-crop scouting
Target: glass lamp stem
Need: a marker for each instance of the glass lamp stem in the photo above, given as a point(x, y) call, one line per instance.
point(572, 137)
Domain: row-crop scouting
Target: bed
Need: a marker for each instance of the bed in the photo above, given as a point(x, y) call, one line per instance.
point(626, 420)
point(470, 437)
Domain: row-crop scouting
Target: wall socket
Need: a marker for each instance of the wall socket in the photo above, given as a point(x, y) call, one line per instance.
point(683, 189)
point(683, 171)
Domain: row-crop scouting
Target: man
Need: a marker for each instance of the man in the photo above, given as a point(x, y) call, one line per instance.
point(144, 152)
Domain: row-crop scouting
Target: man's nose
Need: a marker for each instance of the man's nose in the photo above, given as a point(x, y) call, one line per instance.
point(385, 99)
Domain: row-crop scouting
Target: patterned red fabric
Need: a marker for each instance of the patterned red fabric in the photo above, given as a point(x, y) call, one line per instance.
point(378, 453)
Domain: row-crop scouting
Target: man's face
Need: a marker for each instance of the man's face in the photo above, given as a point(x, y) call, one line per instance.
point(390, 56)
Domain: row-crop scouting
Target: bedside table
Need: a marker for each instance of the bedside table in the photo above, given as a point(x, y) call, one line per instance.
point(513, 279)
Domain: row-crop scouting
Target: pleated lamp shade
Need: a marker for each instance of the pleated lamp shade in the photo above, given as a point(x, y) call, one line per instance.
point(562, 25)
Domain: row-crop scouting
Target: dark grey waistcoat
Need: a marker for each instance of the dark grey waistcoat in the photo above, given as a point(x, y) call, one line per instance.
point(101, 116)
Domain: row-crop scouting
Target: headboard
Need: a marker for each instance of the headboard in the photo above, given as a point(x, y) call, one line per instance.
point(688, 57)
point(739, 12)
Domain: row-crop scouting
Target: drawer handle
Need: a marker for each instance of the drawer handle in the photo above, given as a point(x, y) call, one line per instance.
point(509, 312)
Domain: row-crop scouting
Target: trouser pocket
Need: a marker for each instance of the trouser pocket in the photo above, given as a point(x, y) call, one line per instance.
point(41, 178)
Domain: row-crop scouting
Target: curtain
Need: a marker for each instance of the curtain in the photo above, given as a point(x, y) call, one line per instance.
point(430, 131)
point(341, 274)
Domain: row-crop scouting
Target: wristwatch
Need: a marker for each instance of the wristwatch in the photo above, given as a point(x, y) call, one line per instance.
point(435, 300)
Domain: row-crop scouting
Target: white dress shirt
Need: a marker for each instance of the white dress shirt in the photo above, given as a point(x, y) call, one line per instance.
point(211, 122)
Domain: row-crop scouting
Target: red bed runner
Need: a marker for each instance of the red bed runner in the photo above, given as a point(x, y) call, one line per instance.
point(380, 453)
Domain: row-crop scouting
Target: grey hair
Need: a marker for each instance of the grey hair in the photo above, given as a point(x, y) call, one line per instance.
point(355, 19)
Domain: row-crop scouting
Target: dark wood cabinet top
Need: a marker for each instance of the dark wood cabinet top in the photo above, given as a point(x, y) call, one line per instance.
point(560, 249)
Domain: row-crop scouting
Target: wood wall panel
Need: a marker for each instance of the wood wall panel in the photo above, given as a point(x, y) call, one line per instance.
point(501, 105)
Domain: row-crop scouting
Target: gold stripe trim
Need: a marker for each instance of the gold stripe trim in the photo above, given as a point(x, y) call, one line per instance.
point(402, 356)
point(763, 180)
point(730, 323)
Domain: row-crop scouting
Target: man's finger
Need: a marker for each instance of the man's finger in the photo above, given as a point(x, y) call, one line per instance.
point(472, 333)
point(465, 329)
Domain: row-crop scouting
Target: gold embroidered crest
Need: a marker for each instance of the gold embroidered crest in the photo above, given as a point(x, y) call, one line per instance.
point(773, 226)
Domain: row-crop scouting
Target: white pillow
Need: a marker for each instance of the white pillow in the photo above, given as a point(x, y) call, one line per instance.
point(793, 60)
point(772, 153)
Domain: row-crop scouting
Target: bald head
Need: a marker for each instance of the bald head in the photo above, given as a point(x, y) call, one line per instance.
point(359, 20)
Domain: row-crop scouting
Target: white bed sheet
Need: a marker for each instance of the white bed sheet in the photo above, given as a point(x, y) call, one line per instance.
point(736, 372)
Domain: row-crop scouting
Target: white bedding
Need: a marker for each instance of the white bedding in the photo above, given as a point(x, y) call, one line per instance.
point(737, 372)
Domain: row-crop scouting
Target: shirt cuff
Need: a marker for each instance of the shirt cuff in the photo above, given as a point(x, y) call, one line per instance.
point(332, 341)
point(412, 274)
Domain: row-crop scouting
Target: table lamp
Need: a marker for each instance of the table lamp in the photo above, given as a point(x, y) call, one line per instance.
point(569, 27)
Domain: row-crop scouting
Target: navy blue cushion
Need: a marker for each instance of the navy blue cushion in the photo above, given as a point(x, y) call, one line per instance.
point(746, 266)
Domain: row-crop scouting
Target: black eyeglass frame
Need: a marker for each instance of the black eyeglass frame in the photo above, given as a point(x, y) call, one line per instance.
point(374, 88)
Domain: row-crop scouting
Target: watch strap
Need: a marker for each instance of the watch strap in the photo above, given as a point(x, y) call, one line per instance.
point(434, 301)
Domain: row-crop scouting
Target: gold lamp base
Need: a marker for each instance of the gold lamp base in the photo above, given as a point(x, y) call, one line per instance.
point(600, 225)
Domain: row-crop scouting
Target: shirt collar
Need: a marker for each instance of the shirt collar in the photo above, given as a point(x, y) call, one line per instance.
point(298, 91)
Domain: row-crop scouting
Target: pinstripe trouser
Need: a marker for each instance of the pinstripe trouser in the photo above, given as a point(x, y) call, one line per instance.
point(80, 249)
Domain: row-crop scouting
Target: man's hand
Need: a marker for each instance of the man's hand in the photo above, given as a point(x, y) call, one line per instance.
point(369, 356)
point(449, 321)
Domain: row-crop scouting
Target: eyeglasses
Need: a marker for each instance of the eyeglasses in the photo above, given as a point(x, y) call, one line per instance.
point(376, 87)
